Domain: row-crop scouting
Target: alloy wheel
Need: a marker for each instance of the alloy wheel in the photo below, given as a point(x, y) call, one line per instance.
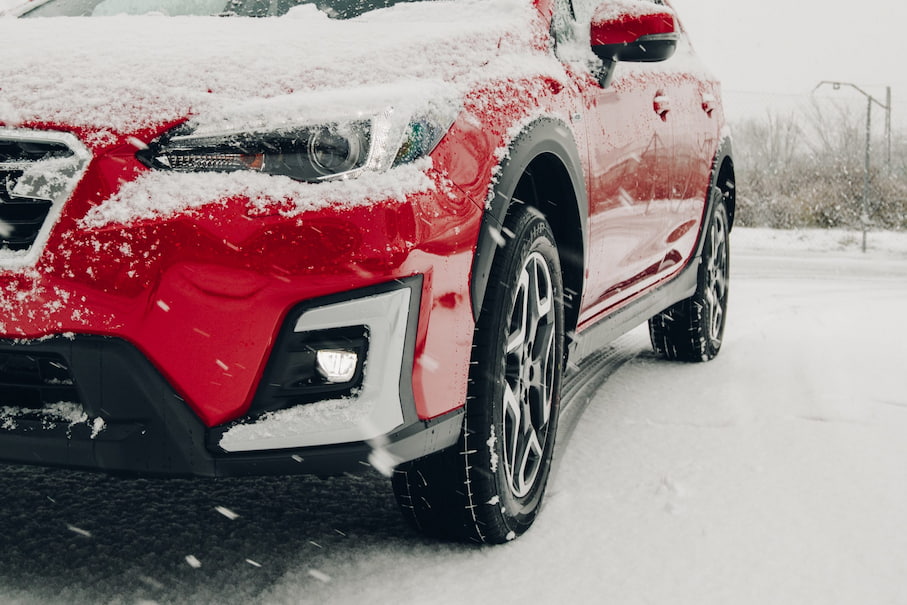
point(530, 366)
point(717, 271)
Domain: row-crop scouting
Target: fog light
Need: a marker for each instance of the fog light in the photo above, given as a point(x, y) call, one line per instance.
point(336, 365)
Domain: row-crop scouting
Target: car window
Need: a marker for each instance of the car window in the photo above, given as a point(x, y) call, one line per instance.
point(108, 8)
point(563, 21)
point(338, 9)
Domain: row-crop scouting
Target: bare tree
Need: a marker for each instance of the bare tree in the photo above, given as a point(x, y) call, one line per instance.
point(806, 170)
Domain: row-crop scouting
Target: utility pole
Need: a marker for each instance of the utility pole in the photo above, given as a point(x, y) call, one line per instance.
point(864, 214)
point(888, 127)
point(864, 218)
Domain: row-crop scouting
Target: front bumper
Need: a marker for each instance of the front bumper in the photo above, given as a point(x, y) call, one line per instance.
point(123, 415)
point(171, 320)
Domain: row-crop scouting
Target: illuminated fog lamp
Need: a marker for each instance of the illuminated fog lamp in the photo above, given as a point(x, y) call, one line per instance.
point(336, 366)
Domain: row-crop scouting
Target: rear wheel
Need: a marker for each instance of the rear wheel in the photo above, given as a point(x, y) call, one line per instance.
point(489, 487)
point(692, 330)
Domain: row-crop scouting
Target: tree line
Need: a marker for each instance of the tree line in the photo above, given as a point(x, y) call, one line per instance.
point(806, 169)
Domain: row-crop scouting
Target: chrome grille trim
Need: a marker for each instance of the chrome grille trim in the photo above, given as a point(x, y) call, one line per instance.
point(35, 182)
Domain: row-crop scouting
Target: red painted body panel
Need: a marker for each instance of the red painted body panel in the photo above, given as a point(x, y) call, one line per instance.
point(628, 28)
point(203, 295)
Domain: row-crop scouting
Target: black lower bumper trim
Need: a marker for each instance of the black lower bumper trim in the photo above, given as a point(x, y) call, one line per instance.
point(149, 430)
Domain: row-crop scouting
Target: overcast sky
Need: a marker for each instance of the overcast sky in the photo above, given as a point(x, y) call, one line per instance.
point(785, 47)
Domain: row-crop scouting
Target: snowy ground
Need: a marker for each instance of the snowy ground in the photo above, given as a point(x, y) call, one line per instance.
point(775, 474)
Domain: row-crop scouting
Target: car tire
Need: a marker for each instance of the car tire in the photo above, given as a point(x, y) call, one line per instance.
point(693, 329)
point(489, 487)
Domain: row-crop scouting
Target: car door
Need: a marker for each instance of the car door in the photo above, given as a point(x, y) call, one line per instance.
point(631, 177)
point(694, 99)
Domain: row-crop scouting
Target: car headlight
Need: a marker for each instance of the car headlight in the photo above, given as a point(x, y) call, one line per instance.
point(310, 153)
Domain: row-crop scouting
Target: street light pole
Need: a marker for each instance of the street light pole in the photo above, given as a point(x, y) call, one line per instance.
point(864, 218)
point(864, 215)
point(888, 127)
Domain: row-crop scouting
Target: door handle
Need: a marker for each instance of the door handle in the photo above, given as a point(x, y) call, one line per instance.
point(708, 103)
point(662, 105)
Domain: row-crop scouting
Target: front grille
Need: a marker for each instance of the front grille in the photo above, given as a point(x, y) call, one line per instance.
point(33, 380)
point(20, 220)
point(38, 171)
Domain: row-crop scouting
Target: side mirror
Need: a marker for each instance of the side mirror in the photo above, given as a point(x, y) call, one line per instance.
point(633, 30)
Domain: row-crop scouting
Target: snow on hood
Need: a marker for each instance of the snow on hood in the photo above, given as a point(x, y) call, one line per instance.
point(118, 75)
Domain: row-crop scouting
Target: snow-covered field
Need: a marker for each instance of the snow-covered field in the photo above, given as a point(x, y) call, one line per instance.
point(775, 474)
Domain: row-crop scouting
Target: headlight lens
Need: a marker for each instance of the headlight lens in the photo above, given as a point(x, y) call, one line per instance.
point(305, 154)
point(334, 151)
point(310, 153)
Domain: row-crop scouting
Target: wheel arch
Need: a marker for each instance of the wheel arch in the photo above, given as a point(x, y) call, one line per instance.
point(723, 177)
point(542, 169)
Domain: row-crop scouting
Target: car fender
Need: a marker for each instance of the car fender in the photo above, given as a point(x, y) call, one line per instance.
point(543, 136)
point(721, 179)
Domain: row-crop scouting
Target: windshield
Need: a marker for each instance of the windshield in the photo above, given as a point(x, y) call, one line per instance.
point(336, 9)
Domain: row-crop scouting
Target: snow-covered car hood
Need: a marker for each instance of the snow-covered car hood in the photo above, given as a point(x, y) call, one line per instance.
point(117, 75)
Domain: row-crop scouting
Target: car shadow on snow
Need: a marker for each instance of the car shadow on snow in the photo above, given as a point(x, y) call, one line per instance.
point(70, 536)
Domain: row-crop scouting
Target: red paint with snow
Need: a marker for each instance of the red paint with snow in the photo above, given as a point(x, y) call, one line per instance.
point(202, 270)
point(630, 25)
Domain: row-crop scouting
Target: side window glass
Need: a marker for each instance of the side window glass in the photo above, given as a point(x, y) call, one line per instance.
point(584, 9)
point(563, 22)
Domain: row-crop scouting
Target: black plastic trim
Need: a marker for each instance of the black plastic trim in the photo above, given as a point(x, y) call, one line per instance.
point(647, 49)
point(544, 136)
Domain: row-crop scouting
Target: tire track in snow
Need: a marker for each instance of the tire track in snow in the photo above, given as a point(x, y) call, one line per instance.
point(583, 382)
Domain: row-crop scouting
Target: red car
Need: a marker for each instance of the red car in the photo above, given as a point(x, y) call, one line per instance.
point(249, 236)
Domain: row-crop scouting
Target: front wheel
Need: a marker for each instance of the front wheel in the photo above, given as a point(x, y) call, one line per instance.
point(489, 487)
point(693, 329)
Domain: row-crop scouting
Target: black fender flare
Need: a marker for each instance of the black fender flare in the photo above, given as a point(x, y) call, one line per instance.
point(544, 136)
point(723, 155)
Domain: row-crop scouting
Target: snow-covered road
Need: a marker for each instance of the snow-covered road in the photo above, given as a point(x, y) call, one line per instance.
point(775, 474)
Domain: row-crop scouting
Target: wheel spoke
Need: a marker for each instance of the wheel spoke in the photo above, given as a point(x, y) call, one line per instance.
point(527, 464)
point(721, 283)
point(513, 422)
point(522, 449)
point(541, 290)
point(518, 318)
point(543, 374)
point(717, 315)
